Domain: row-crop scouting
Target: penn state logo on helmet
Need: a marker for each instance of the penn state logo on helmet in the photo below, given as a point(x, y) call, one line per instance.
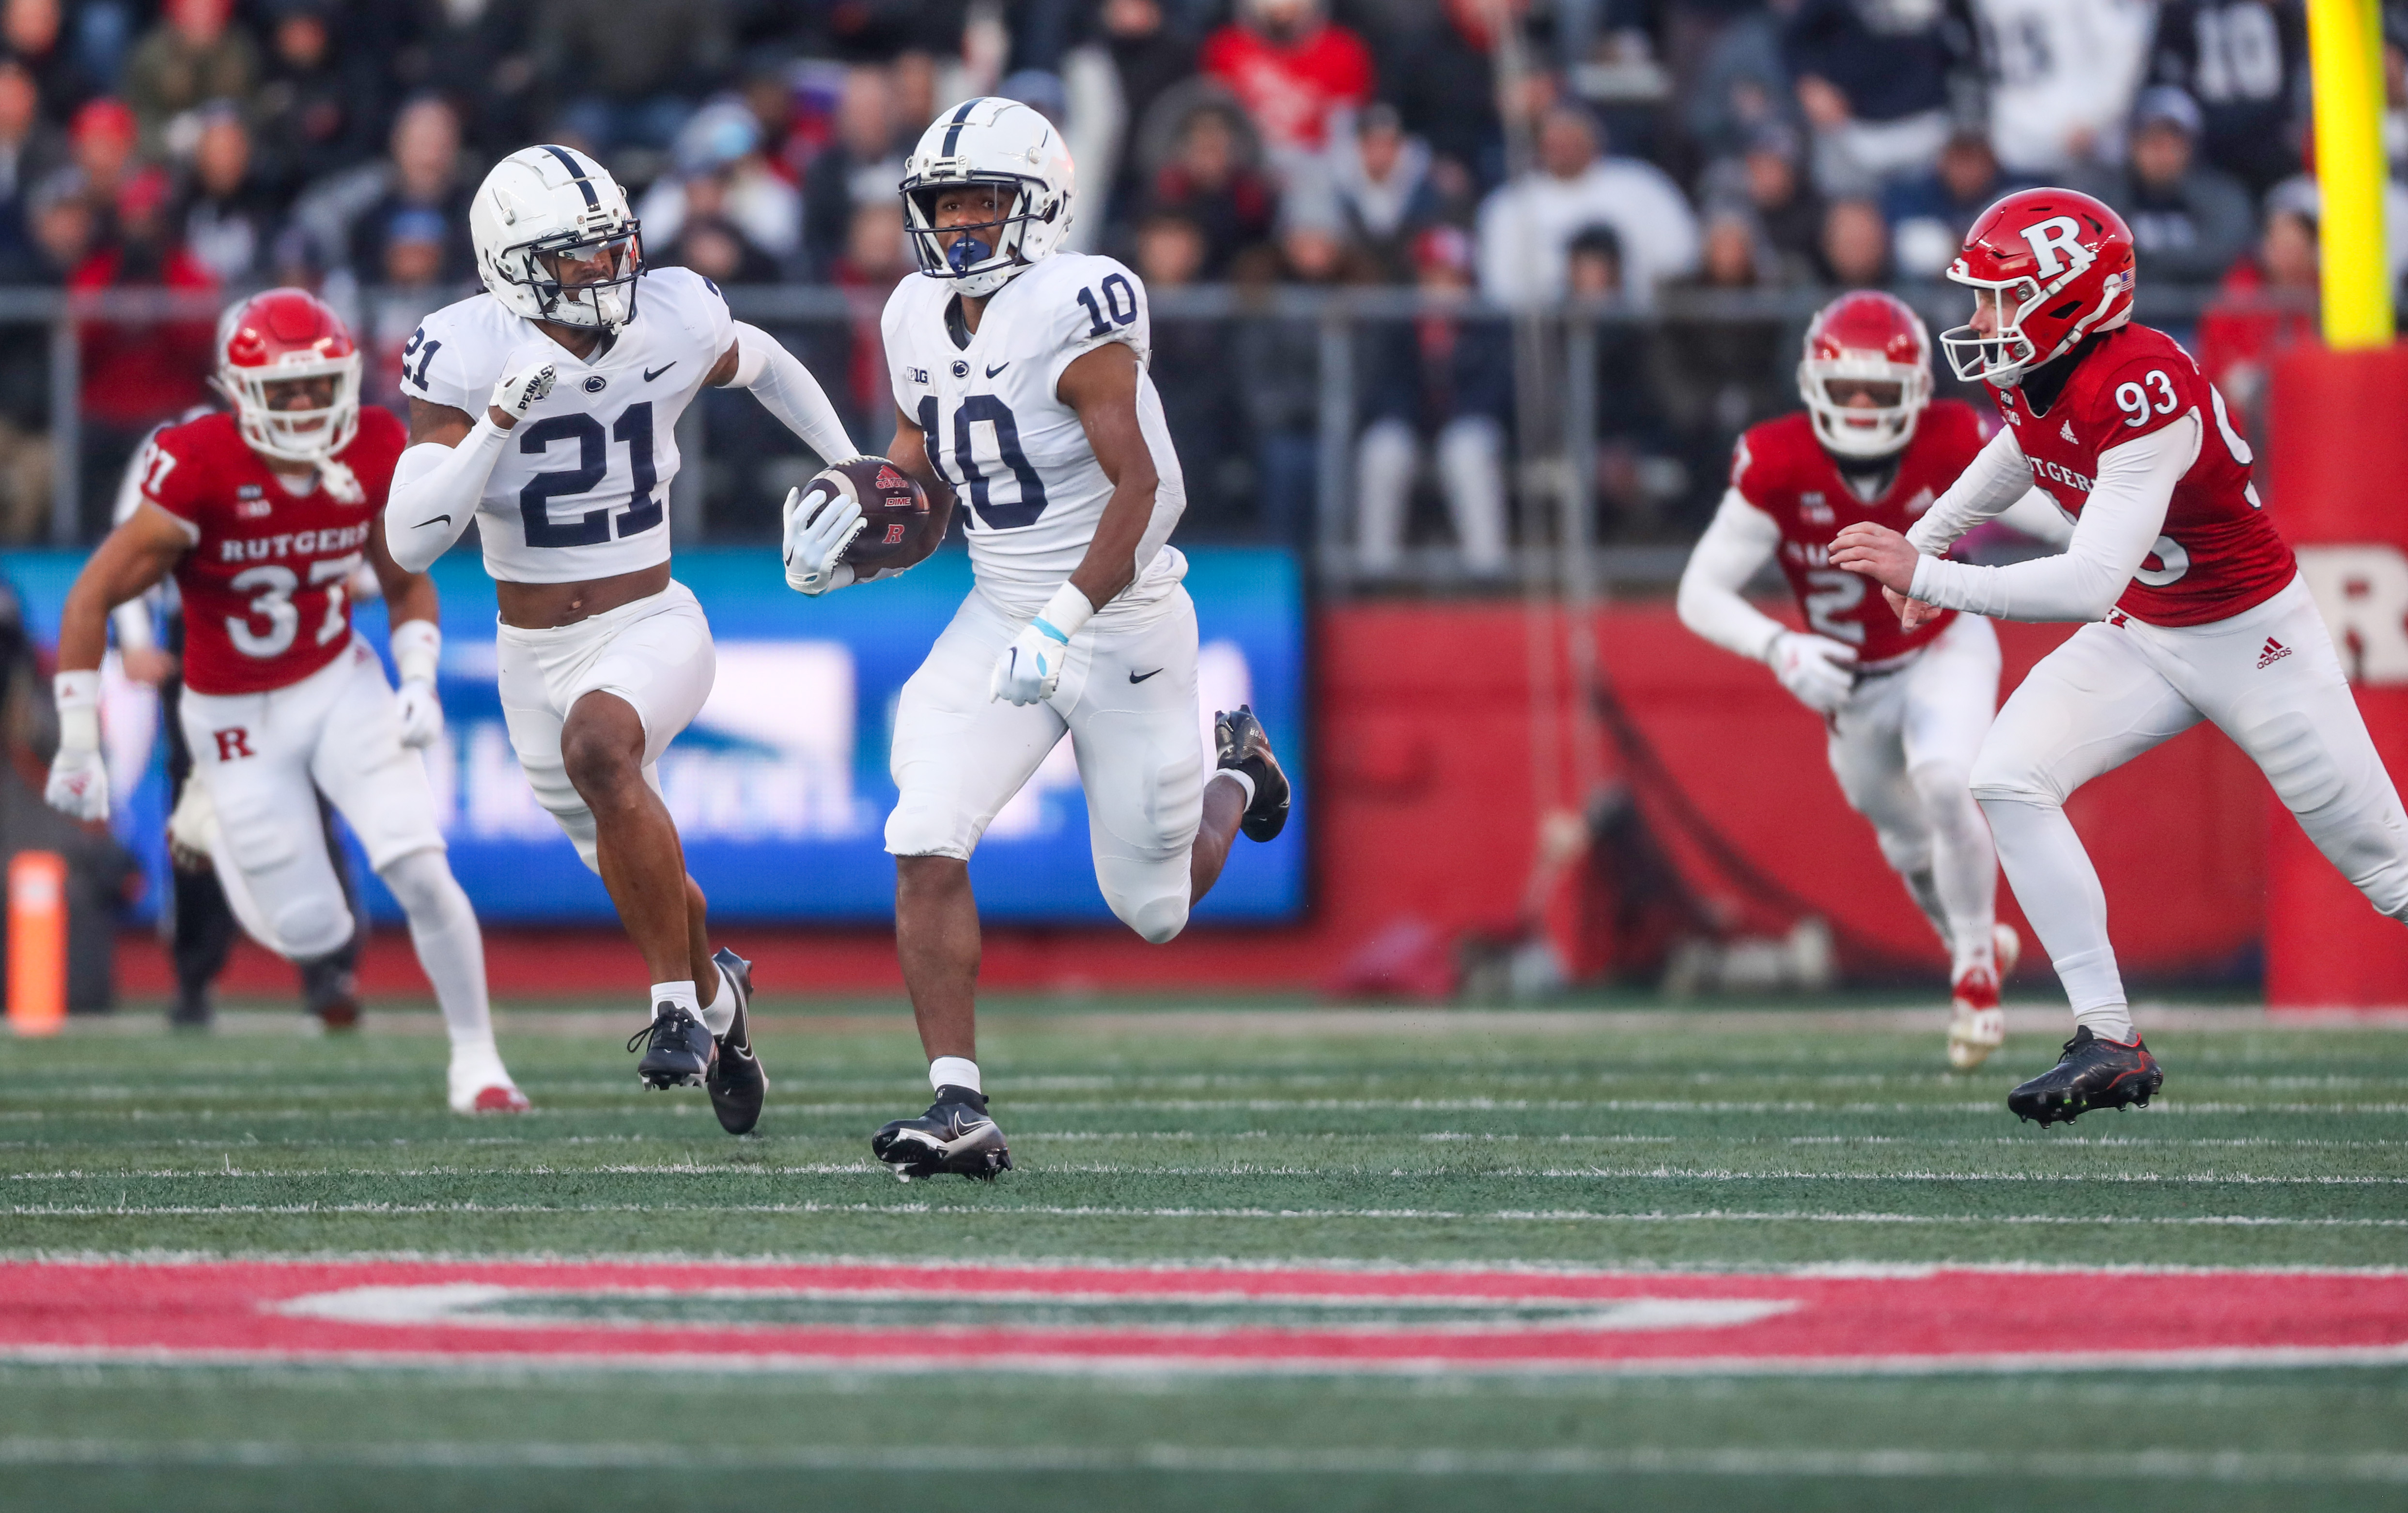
point(1866, 346)
point(278, 338)
point(556, 240)
point(2058, 266)
point(1000, 146)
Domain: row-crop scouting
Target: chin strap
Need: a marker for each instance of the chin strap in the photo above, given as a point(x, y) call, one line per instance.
point(341, 482)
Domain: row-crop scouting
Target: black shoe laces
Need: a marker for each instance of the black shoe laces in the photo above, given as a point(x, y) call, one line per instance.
point(637, 1040)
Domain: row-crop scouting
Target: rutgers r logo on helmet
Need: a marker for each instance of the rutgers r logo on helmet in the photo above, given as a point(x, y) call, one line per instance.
point(2049, 268)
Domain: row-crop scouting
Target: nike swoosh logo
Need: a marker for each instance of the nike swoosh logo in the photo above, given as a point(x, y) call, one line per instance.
point(997, 368)
point(423, 524)
point(650, 374)
point(1140, 677)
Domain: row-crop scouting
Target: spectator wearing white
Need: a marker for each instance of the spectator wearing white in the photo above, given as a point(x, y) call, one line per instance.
point(1527, 226)
point(722, 141)
point(2063, 75)
point(1380, 178)
point(1452, 380)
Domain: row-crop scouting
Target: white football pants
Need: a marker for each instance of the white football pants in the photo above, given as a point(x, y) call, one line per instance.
point(265, 757)
point(2267, 678)
point(1902, 748)
point(1470, 453)
point(655, 653)
point(1127, 698)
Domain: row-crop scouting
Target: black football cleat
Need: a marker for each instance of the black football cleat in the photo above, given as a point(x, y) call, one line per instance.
point(1242, 747)
point(2093, 1073)
point(955, 1135)
point(736, 1082)
point(677, 1050)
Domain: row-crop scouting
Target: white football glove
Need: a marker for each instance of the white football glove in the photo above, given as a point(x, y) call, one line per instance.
point(1820, 673)
point(1030, 668)
point(193, 828)
point(78, 782)
point(528, 376)
point(79, 785)
point(820, 524)
point(422, 713)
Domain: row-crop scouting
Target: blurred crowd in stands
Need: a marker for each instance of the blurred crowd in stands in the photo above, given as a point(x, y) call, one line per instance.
point(1672, 146)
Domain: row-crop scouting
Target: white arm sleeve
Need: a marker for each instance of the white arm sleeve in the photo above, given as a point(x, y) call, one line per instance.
point(435, 494)
point(1996, 477)
point(786, 389)
point(2036, 515)
point(2119, 526)
point(1738, 542)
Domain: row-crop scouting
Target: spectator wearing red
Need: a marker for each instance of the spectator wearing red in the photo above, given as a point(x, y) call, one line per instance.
point(1290, 67)
point(2266, 306)
point(102, 142)
point(138, 371)
point(1211, 178)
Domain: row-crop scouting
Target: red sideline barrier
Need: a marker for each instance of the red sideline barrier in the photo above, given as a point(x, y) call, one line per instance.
point(1423, 811)
point(2338, 454)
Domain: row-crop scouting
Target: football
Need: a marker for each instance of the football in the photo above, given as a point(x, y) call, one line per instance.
point(894, 509)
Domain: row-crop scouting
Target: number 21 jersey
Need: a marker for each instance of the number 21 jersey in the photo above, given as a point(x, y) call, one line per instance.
point(581, 489)
point(1029, 490)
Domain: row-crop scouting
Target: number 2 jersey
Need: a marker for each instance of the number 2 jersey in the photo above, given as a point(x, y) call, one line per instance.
point(581, 489)
point(1781, 470)
point(1029, 489)
point(264, 603)
point(2217, 554)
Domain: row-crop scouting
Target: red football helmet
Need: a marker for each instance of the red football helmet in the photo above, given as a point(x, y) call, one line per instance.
point(272, 339)
point(2059, 265)
point(1869, 345)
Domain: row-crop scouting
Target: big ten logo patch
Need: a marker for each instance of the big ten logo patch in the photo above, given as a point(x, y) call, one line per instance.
point(2362, 594)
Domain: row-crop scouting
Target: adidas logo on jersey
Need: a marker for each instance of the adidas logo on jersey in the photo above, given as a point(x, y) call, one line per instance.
point(2272, 653)
point(2067, 432)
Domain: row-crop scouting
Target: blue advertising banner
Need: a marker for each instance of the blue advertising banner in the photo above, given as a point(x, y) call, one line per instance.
point(779, 787)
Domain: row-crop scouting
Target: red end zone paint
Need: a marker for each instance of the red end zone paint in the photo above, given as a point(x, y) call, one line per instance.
point(1968, 1319)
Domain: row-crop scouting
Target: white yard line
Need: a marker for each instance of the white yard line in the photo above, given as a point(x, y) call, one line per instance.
point(2134, 1464)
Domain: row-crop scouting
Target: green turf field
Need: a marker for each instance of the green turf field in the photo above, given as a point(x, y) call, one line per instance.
point(1744, 1141)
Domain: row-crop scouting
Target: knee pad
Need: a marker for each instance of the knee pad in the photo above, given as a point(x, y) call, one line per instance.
point(1157, 919)
point(923, 826)
point(1946, 792)
point(1998, 774)
point(2296, 761)
point(310, 927)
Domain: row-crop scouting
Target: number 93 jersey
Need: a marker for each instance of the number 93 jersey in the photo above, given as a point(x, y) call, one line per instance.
point(1030, 488)
point(265, 583)
point(581, 489)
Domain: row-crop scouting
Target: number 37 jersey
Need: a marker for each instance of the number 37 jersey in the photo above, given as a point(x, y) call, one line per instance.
point(581, 489)
point(1029, 489)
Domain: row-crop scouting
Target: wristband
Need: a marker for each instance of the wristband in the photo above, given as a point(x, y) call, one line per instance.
point(417, 649)
point(77, 696)
point(1065, 613)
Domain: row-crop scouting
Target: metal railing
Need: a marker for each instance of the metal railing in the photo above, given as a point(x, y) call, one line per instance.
point(1337, 316)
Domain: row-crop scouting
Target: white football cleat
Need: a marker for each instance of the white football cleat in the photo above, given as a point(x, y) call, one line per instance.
point(480, 1084)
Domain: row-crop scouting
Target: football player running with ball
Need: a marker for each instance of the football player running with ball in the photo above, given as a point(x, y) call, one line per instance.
point(262, 516)
point(546, 411)
point(1905, 710)
point(2198, 610)
point(1022, 395)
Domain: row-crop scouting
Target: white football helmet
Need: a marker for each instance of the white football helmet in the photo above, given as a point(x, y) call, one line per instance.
point(997, 142)
point(543, 210)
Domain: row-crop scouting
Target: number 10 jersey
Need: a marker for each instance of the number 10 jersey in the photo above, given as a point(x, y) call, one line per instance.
point(1030, 490)
point(581, 489)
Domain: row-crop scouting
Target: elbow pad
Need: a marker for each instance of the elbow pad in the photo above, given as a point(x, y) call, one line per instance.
point(435, 494)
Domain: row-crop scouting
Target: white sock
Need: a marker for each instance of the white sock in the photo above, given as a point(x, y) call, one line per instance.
point(955, 1072)
point(2112, 1022)
point(1245, 785)
point(2060, 894)
point(450, 948)
point(1964, 866)
point(719, 1015)
point(679, 994)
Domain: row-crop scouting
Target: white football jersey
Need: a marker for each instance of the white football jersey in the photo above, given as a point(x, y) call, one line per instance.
point(1031, 491)
point(581, 490)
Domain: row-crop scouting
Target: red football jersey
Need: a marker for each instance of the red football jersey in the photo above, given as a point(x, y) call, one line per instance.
point(2219, 554)
point(265, 601)
point(1781, 470)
